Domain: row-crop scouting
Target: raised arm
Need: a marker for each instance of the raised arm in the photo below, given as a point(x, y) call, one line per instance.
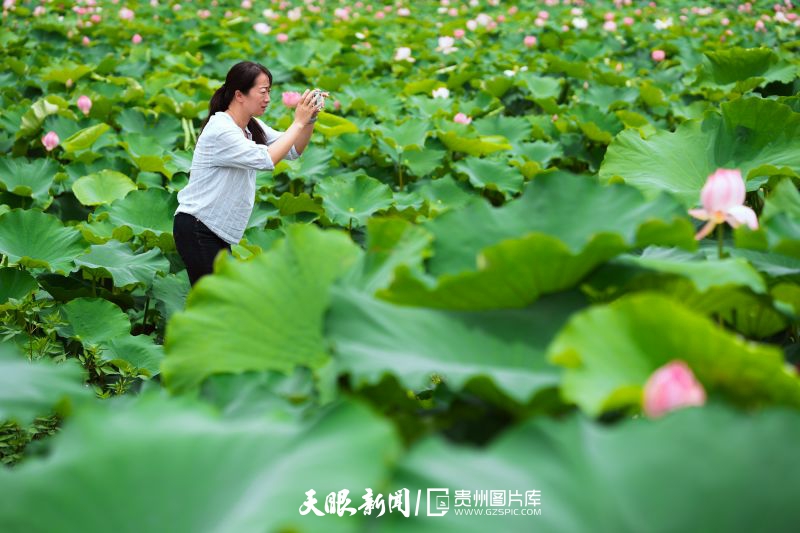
point(299, 130)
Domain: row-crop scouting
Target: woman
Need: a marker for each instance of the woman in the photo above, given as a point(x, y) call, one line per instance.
point(215, 206)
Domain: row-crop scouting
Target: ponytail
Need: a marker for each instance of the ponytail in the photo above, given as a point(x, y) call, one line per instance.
point(219, 102)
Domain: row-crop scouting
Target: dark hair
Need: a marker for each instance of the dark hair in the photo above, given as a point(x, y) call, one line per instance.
point(241, 76)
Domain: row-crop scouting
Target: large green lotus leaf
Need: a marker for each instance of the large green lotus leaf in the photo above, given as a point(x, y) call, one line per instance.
point(332, 125)
point(34, 388)
point(102, 187)
point(423, 162)
point(704, 274)
point(353, 199)
point(131, 352)
point(443, 194)
point(678, 473)
point(266, 313)
point(289, 204)
point(93, 320)
point(723, 68)
point(147, 153)
point(770, 263)
point(164, 130)
point(760, 137)
point(35, 239)
point(734, 296)
point(33, 178)
point(61, 71)
point(169, 456)
point(483, 145)
point(370, 99)
point(513, 273)
point(606, 97)
point(493, 174)
point(312, 167)
point(150, 210)
point(391, 242)
point(784, 198)
point(515, 129)
point(349, 146)
point(597, 124)
point(372, 338)
point(170, 292)
point(541, 87)
point(85, 138)
point(610, 352)
point(779, 230)
point(15, 283)
point(295, 54)
point(41, 109)
point(570, 208)
point(540, 152)
point(125, 267)
point(410, 133)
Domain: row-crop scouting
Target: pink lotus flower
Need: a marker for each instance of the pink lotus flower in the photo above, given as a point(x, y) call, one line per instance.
point(136, 39)
point(658, 55)
point(723, 201)
point(126, 14)
point(610, 25)
point(262, 27)
point(282, 37)
point(50, 140)
point(461, 118)
point(459, 33)
point(85, 41)
point(628, 21)
point(446, 45)
point(671, 387)
point(529, 41)
point(84, 104)
point(403, 54)
point(291, 98)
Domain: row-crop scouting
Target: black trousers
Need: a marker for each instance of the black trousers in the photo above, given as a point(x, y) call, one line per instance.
point(197, 245)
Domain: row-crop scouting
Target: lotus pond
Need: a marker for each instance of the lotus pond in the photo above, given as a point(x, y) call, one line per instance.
point(538, 270)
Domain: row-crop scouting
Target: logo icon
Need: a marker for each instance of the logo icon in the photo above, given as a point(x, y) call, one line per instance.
point(441, 502)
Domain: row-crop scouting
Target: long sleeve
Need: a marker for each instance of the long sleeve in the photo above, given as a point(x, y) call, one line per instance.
point(233, 149)
point(273, 135)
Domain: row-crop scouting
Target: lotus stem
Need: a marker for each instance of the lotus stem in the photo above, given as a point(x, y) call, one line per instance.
point(720, 252)
point(144, 315)
point(400, 174)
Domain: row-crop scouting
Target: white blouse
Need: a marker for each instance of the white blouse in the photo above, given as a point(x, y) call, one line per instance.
point(222, 179)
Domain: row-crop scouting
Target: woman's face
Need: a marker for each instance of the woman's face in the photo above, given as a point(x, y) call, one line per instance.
point(257, 99)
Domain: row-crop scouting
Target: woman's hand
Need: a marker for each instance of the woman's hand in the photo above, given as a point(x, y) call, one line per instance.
point(305, 109)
